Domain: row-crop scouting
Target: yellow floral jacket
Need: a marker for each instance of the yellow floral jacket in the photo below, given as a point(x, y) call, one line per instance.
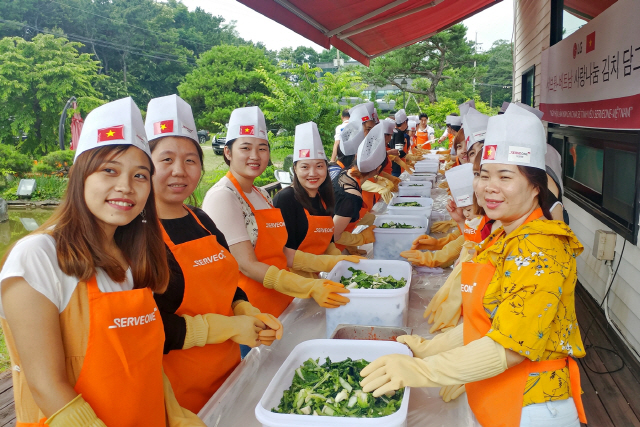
point(530, 300)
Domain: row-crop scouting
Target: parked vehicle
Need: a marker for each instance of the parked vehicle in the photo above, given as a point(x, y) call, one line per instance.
point(217, 144)
point(203, 135)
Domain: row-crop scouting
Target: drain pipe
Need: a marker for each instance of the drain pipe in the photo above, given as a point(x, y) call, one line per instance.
point(63, 119)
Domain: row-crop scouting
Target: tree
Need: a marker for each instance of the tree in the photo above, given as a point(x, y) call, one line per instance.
point(36, 79)
point(299, 55)
point(297, 96)
point(430, 60)
point(499, 64)
point(226, 78)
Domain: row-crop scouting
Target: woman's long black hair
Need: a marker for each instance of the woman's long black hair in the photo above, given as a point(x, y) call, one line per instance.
point(538, 180)
point(325, 191)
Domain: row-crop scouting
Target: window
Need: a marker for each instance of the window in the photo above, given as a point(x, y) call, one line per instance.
point(600, 174)
point(528, 86)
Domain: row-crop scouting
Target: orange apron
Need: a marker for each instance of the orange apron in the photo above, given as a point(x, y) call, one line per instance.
point(121, 377)
point(472, 234)
point(497, 401)
point(368, 200)
point(272, 237)
point(451, 138)
point(319, 234)
point(210, 276)
point(421, 139)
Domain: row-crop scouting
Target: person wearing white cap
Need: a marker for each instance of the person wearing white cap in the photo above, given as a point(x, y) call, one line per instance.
point(525, 270)
point(453, 122)
point(307, 207)
point(412, 127)
point(399, 145)
point(424, 132)
point(206, 316)
point(254, 228)
point(362, 118)
point(77, 294)
point(336, 144)
point(350, 207)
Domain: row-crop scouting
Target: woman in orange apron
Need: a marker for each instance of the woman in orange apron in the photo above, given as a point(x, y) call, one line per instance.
point(307, 205)
point(255, 229)
point(205, 314)
point(83, 331)
point(517, 371)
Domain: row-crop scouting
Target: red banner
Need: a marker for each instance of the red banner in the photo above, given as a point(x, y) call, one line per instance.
point(619, 113)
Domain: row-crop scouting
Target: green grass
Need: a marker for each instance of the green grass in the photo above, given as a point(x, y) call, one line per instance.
point(47, 188)
point(5, 362)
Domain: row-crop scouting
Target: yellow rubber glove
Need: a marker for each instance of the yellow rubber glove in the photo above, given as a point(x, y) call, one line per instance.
point(311, 263)
point(403, 165)
point(451, 392)
point(244, 308)
point(428, 243)
point(415, 158)
point(365, 236)
point(390, 177)
point(332, 250)
point(442, 258)
point(422, 348)
point(372, 187)
point(325, 292)
point(443, 226)
point(177, 416)
point(214, 328)
point(77, 413)
point(388, 184)
point(481, 359)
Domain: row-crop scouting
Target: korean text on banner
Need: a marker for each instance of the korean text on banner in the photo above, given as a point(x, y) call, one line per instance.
point(592, 78)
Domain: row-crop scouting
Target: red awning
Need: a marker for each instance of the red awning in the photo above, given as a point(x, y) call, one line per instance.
point(365, 29)
point(587, 9)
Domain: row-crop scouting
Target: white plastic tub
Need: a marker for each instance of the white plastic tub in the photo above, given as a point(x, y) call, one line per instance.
point(337, 350)
point(430, 166)
point(374, 307)
point(427, 184)
point(422, 191)
point(423, 177)
point(391, 241)
point(424, 210)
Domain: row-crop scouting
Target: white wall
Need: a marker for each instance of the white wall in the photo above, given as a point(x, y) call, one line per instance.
point(624, 298)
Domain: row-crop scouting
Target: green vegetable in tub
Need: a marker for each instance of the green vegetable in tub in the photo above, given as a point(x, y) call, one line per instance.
point(408, 204)
point(362, 280)
point(333, 389)
point(392, 224)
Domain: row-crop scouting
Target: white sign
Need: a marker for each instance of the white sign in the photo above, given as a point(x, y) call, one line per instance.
point(592, 78)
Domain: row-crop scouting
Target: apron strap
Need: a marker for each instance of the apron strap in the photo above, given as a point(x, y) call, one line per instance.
point(236, 184)
point(165, 235)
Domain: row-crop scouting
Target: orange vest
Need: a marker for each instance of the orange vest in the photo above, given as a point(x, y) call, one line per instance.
point(198, 372)
point(422, 136)
point(319, 234)
point(497, 401)
point(272, 237)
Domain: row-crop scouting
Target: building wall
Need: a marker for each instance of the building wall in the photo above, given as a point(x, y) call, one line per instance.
point(532, 20)
point(532, 34)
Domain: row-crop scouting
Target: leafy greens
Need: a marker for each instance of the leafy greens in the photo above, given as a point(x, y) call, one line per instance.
point(362, 280)
point(333, 389)
point(410, 204)
point(392, 224)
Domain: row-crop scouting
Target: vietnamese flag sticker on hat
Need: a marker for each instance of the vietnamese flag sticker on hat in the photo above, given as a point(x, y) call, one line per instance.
point(165, 126)
point(111, 133)
point(246, 130)
point(489, 152)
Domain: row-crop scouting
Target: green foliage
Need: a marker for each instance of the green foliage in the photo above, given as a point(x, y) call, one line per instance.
point(267, 177)
point(56, 161)
point(47, 188)
point(499, 65)
point(36, 79)
point(12, 161)
point(362, 280)
point(225, 78)
point(303, 97)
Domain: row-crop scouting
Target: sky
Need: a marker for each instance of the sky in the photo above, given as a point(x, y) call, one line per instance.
point(253, 26)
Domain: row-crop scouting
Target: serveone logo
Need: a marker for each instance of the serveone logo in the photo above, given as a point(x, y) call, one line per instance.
point(275, 224)
point(125, 322)
point(324, 230)
point(468, 288)
point(209, 259)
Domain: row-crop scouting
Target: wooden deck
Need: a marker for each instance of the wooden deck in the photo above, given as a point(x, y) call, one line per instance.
point(610, 400)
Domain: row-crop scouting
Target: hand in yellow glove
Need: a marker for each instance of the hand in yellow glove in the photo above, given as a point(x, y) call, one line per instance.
point(390, 177)
point(372, 187)
point(311, 263)
point(481, 359)
point(325, 292)
point(426, 242)
point(403, 165)
point(332, 250)
point(444, 185)
point(443, 226)
point(451, 392)
point(214, 328)
point(442, 258)
point(422, 348)
point(364, 237)
point(244, 308)
point(177, 416)
point(77, 413)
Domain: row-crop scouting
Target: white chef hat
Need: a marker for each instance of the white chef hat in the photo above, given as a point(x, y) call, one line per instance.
point(475, 126)
point(516, 137)
point(247, 121)
point(414, 118)
point(454, 120)
point(389, 126)
point(307, 144)
point(464, 108)
point(376, 118)
point(117, 122)
point(372, 151)
point(351, 137)
point(460, 181)
point(170, 116)
point(362, 113)
point(411, 125)
point(535, 111)
point(401, 117)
